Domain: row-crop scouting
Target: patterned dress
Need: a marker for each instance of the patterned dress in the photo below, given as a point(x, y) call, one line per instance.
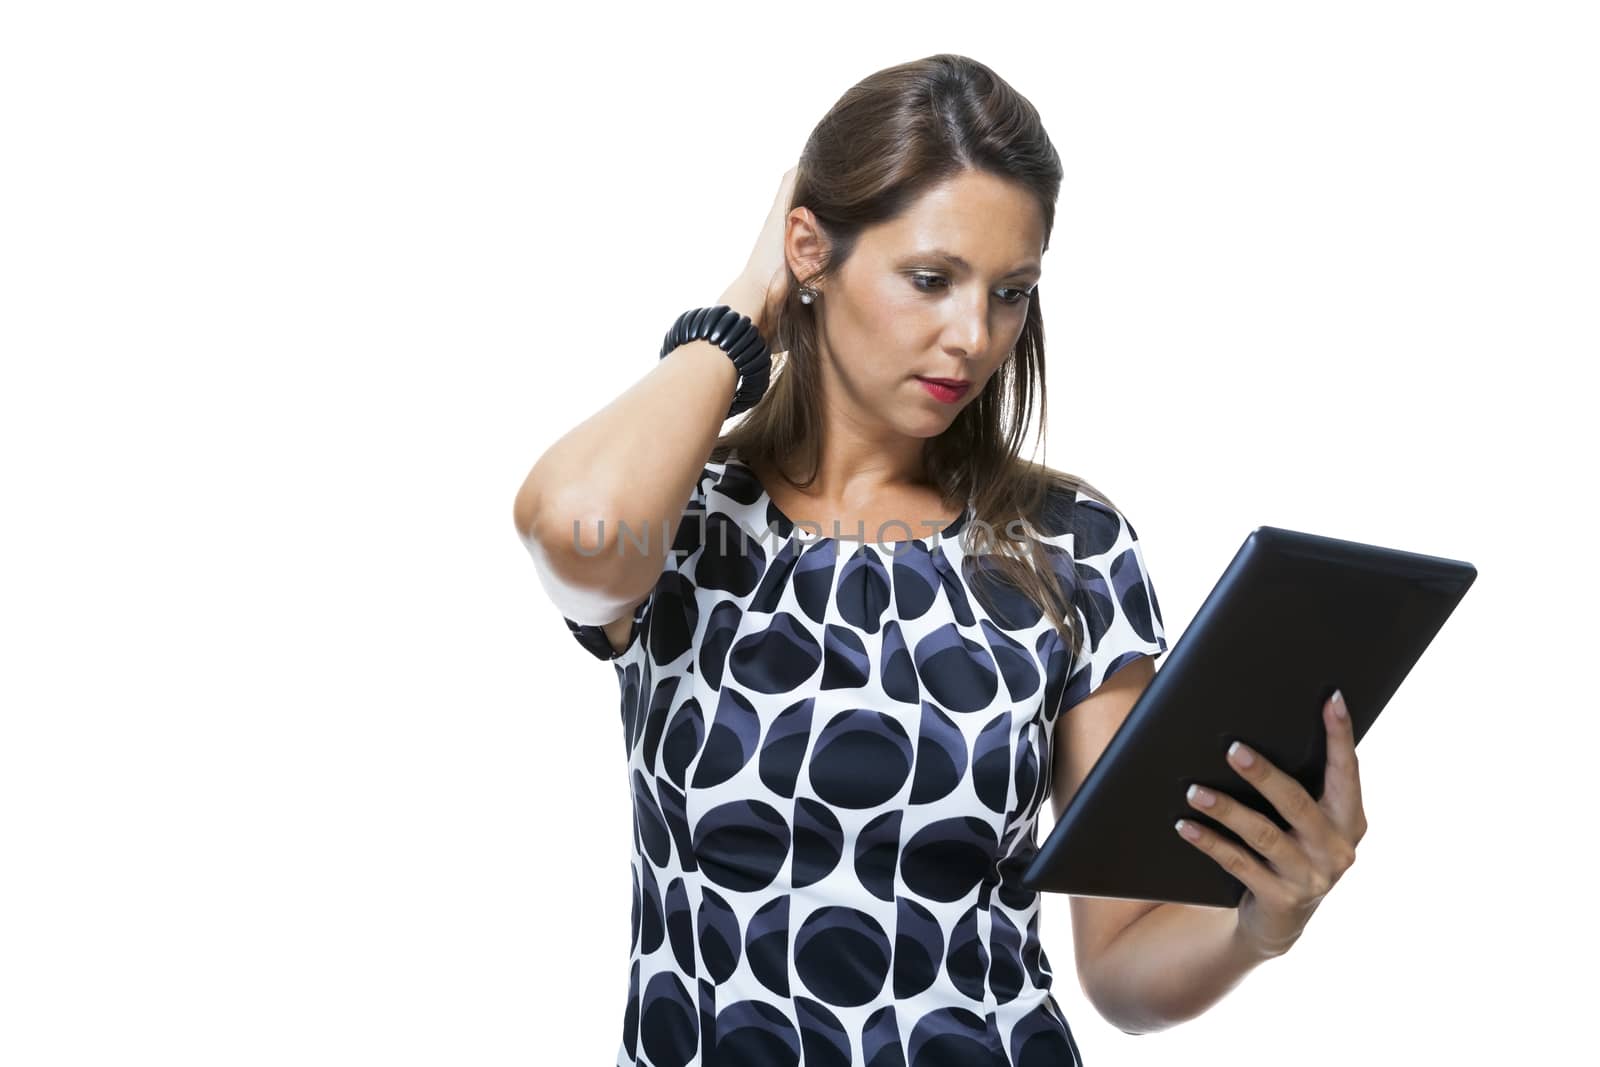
point(837, 757)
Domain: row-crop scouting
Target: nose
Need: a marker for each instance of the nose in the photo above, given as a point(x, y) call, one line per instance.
point(969, 332)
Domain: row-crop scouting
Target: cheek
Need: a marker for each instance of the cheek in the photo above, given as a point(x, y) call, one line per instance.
point(888, 328)
point(992, 370)
point(893, 311)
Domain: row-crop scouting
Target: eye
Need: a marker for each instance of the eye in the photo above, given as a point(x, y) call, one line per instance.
point(1019, 297)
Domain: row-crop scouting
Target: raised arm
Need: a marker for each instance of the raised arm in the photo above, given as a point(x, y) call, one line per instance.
point(634, 461)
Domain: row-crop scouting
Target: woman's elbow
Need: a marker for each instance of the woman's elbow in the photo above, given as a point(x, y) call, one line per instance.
point(583, 573)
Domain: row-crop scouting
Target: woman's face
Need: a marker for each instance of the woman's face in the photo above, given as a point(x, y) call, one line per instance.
point(898, 310)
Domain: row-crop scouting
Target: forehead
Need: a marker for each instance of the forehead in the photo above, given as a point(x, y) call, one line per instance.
point(992, 223)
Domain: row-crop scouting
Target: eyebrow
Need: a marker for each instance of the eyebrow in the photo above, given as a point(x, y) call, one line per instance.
point(956, 261)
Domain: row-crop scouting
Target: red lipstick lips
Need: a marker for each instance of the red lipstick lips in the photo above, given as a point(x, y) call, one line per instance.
point(949, 390)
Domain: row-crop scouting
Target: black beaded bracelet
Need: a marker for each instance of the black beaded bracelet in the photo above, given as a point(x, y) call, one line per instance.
point(735, 334)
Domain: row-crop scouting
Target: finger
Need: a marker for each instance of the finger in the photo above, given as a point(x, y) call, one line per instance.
point(1281, 850)
point(1341, 790)
point(1282, 791)
point(1325, 847)
point(1233, 859)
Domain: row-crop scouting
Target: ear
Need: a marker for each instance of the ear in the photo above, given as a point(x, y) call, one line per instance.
point(805, 244)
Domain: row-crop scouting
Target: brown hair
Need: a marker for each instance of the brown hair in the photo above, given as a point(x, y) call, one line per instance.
point(886, 141)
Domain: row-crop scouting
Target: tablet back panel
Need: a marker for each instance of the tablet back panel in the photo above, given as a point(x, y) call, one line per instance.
point(1293, 617)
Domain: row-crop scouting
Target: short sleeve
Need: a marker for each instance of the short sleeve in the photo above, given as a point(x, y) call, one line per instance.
point(593, 637)
point(1115, 601)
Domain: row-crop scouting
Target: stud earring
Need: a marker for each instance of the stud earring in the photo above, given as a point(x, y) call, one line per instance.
point(807, 294)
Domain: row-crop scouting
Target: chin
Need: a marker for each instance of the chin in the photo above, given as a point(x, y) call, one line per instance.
point(933, 424)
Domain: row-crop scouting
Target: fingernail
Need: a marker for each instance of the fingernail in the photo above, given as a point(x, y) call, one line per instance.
point(1339, 711)
point(1201, 796)
point(1240, 754)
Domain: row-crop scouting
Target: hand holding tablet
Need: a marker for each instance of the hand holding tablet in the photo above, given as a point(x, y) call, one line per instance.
point(1302, 863)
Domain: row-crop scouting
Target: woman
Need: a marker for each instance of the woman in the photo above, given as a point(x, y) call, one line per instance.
point(859, 639)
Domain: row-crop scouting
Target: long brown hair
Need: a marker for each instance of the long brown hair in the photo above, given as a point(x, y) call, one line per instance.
point(886, 141)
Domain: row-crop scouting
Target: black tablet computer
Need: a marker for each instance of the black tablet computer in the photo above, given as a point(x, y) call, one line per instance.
point(1293, 617)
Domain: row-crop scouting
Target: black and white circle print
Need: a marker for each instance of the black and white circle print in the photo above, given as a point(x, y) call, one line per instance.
point(837, 753)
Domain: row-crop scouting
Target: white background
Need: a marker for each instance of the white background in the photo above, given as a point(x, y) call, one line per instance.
point(299, 765)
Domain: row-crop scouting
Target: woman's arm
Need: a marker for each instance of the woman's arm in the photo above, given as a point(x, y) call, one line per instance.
point(1174, 962)
point(1170, 965)
point(635, 461)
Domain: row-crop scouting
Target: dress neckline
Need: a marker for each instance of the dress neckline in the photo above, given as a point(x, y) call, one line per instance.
point(805, 536)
